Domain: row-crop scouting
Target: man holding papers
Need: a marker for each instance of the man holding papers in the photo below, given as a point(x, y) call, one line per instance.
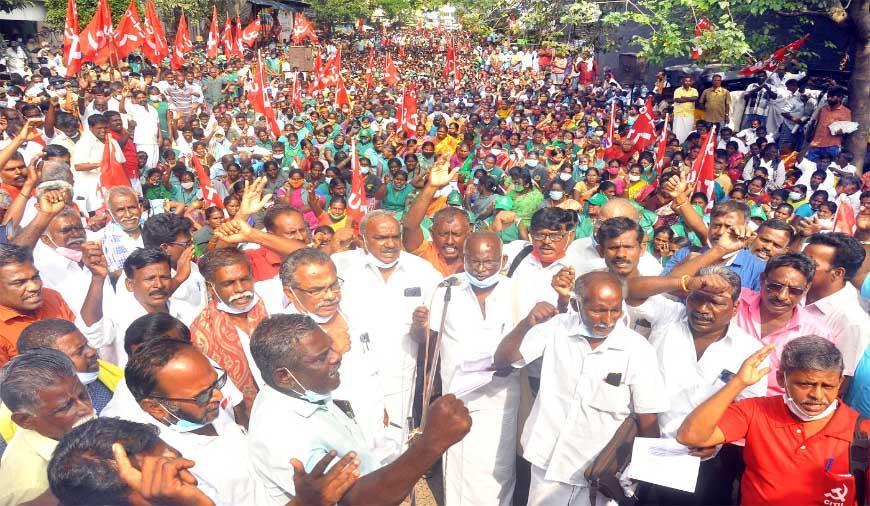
point(698, 351)
point(797, 445)
point(480, 468)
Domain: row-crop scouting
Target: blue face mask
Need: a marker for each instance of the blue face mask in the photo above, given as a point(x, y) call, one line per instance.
point(482, 283)
point(181, 425)
point(309, 395)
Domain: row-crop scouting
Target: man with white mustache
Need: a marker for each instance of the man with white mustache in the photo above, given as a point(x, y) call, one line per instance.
point(595, 373)
point(223, 328)
point(698, 350)
point(47, 400)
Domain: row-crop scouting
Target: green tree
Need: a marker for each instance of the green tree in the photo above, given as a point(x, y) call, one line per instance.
point(330, 12)
point(56, 11)
point(11, 5)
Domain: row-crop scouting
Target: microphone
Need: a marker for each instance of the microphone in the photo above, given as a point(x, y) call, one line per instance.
point(451, 281)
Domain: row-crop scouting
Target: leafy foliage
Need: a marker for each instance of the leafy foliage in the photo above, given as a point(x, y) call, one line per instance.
point(11, 5)
point(56, 11)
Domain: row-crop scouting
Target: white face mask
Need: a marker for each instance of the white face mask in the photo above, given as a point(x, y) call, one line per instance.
point(826, 223)
point(88, 377)
point(377, 263)
point(795, 196)
point(482, 283)
point(495, 152)
point(633, 178)
point(564, 176)
point(227, 308)
point(532, 163)
point(556, 195)
point(187, 185)
point(797, 411)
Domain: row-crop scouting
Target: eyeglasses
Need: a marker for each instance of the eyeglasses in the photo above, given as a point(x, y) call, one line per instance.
point(778, 287)
point(203, 398)
point(320, 292)
point(552, 236)
point(185, 244)
point(483, 264)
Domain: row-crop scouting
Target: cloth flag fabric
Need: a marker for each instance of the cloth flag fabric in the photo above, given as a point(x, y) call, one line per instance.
point(302, 29)
point(211, 46)
point(209, 194)
point(663, 143)
point(316, 83)
point(72, 50)
point(330, 72)
point(844, 220)
point(408, 122)
point(251, 32)
point(229, 43)
point(296, 95)
point(111, 168)
point(776, 58)
point(391, 74)
point(356, 199)
point(156, 46)
point(256, 94)
point(610, 126)
point(701, 26)
point(182, 43)
point(129, 34)
point(370, 72)
point(643, 131)
point(702, 175)
point(341, 96)
point(96, 38)
point(240, 46)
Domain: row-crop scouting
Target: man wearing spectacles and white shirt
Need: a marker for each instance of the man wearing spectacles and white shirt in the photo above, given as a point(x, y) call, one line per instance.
point(311, 286)
point(386, 292)
point(698, 350)
point(595, 373)
point(179, 392)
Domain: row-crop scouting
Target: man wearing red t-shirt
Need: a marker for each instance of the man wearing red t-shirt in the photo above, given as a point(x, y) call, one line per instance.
point(125, 140)
point(797, 445)
point(621, 152)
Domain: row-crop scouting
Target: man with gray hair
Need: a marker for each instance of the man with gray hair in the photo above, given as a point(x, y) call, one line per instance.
point(386, 291)
point(47, 400)
point(698, 350)
point(798, 445)
point(123, 233)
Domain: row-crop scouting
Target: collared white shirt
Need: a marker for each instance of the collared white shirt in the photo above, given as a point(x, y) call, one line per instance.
point(471, 336)
point(63, 275)
point(89, 149)
point(284, 427)
point(189, 299)
point(689, 381)
point(385, 309)
point(577, 412)
point(848, 321)
point(532, 281)
point(147, 123)
point(271, 291)
point(584, 249)
point(220, 467)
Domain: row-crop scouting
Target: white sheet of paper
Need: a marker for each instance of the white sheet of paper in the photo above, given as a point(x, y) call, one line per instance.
point(663, 462)
point(472, 374)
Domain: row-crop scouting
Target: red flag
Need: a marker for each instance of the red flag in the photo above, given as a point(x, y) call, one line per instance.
point(775, 59)
point(156, 46)
point(391, 74)
point(211, 47)
point(663, 143)
point(182, 44)
point(701, 26)
point(359, 25)
point(258, 98)
point(209, 195)
point(341, 97)
point(450, 60)
point(401, 50)
point(702, 175)
point(844, 219)
point(409, 110)
point(370, 72)
point(356, 199)
point(129, 34)
point(229, 41)
point(96, 38)
point(420, 25)
point(302, 29)
point(72, 50)
point(610, 126)
point(316, 83)
point(251, 32)
point(330, 74)
point(643, 131)
point(111, 169)
point(240, 47)
point(296, 96)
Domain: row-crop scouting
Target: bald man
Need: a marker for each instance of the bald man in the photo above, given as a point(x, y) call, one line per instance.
point(595, 373)
point(585, 248)
point(480, 468)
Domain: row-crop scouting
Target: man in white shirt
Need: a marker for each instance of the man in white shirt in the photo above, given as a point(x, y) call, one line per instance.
point(586, 249)
point(147, 136)
point(832, 296)
point(301, 370)
point(311, 286)
point(179, 392)
point(170, 233)
point(698, 351)
point(595, 373)
point(123, 233)
point(383, 288)
point(87, 158)
point(480, 469)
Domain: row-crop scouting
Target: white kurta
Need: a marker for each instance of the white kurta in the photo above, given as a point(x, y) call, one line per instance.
point(480, 468)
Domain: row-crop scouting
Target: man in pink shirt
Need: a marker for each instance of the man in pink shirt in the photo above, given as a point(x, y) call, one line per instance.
point(774, 315)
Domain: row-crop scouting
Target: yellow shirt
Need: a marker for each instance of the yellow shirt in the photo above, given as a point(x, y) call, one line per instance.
point(685, 108)
point(25, 465)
